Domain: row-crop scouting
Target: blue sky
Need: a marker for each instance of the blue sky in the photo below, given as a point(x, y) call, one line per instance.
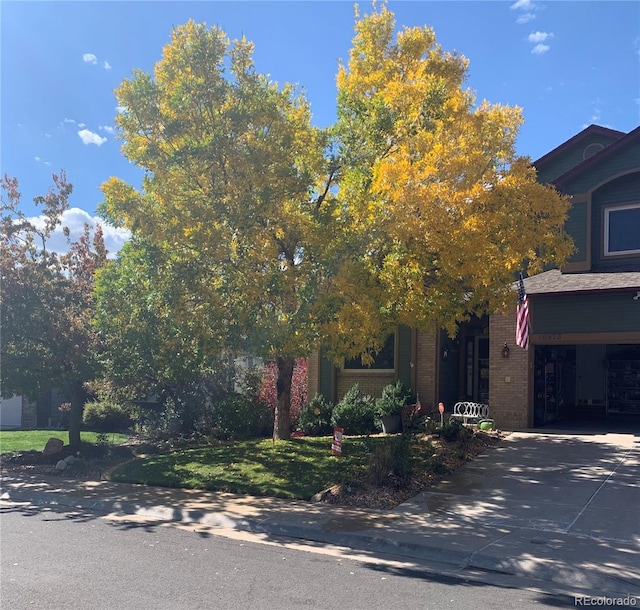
point(567, 64)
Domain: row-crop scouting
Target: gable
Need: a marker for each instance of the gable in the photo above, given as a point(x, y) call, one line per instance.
point(575, 151)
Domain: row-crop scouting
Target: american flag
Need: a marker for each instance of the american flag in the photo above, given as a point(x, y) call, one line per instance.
point(522, 314)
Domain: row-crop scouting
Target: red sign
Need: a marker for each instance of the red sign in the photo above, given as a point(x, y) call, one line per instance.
point(441, 407)
point(336, 446)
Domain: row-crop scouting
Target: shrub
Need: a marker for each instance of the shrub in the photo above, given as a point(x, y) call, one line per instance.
point(239, 417)
point(393, 398)
point(315, 417)
point(106, 416)
point(390, 458)
point(453, 431)
point(355, 413)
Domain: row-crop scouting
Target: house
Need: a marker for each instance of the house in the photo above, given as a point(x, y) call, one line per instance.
point(20, 412)
point(583, 358)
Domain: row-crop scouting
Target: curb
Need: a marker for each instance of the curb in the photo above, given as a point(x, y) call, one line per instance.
point(558, 573)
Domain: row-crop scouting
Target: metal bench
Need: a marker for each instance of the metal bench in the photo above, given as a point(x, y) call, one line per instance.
point(469, 412)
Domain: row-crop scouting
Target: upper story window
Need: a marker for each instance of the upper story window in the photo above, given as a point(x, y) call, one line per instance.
point(384, 360)
point(622, 229)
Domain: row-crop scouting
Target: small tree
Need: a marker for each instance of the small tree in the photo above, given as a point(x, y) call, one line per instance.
point(47, 301)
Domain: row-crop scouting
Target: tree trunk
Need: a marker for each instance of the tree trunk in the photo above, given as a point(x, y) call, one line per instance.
point(281, 423)
point(75, 415)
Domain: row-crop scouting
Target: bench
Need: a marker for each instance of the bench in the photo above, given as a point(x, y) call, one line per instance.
point(469, 412)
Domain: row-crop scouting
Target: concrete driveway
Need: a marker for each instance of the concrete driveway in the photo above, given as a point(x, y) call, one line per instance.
point(562, 480)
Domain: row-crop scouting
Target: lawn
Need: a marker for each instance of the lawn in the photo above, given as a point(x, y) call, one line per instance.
point(298, 468)
point(30, 440)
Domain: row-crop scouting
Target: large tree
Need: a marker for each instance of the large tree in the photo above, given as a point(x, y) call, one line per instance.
point(232, 189)
point(444, 210)
point(413, 208)
point(46, 306)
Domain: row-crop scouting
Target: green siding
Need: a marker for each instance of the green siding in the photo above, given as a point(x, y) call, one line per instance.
point(623, 160)
point(570, 158)
point(404, 355)
point(576, 226)
point(625, 189)
point(578, 313)
point(326, 379)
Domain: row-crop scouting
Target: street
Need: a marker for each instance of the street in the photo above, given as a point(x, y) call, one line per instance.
point(59, 559)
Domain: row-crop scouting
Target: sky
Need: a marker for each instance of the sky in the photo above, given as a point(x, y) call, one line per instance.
point(566, 64)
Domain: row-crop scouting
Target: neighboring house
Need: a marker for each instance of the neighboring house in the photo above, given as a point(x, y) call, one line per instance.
point(584, 353)
point(20, 412)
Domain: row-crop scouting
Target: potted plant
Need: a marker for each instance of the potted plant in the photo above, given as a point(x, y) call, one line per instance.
point(389, 407)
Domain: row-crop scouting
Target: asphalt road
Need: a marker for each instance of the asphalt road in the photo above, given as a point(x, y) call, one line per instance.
point(55, 559)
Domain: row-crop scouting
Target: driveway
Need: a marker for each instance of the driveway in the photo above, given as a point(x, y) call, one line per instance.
point(569, 480)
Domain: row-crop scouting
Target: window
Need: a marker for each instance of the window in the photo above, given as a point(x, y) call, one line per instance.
point(384, 360)
point(622, 229)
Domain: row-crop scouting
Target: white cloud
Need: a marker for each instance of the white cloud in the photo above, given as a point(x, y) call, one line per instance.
point(540, 49)
point(47, 135)
point(90, 58)
point(37, 158)
point(74, 219)
point(81, 125)
point(41, 160)
point(68, 121)
point(107, 128)
point(539, 36)
point(524, 5)
point(120, 109)
point(525, 18)
point(89, 137)
point(107, 65)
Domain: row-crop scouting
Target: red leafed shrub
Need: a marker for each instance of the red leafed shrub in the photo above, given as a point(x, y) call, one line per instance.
point(298, 388)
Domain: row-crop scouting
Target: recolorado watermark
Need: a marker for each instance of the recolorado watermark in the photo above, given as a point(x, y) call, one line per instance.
point(603, 601)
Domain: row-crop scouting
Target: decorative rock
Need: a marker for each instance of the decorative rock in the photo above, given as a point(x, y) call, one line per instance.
point(69, 460)
point(61, 465)
point(53, 446)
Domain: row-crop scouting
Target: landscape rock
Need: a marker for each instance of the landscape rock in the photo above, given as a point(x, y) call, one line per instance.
point(53, 446)
point(69, 460)
point(61, 465)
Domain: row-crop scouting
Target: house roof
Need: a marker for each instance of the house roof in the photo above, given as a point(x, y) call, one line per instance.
point(600, 156)
point(592, 129)
point(554, 281)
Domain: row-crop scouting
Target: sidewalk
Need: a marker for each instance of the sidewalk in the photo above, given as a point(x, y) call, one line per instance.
point(553, 508)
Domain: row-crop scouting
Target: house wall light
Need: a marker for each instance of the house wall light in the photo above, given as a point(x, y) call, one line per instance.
point(505, 351)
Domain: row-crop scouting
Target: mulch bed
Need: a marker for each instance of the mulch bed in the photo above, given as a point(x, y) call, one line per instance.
point(448, 455)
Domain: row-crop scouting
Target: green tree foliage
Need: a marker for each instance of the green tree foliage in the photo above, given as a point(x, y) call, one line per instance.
point(47, 301)
point(232, 189)
point(412, 209)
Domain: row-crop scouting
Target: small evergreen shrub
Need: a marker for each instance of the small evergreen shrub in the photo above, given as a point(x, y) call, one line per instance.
point(315, 417)
point(453, 431)
point(394, 397)
point(238, 417)
point(106, 416)
point(355, 413)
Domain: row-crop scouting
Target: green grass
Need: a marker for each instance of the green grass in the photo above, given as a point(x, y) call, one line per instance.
point(297, 468)
point(29, 440)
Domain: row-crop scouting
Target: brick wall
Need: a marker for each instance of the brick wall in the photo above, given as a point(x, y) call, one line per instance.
point(426, 368)
point(509, 378)
point(369, 382)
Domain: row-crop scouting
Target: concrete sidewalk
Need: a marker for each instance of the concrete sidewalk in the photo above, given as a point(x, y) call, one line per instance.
point(563, 508)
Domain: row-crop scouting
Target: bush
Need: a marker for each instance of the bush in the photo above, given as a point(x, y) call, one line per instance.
point(393, 398)
point(453, 431)
point(392, 458)
point(355, 413)
point(239, 417)
point(315, 417)
point(106, 416)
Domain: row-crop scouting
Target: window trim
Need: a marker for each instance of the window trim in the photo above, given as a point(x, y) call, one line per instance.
point(607, 211)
